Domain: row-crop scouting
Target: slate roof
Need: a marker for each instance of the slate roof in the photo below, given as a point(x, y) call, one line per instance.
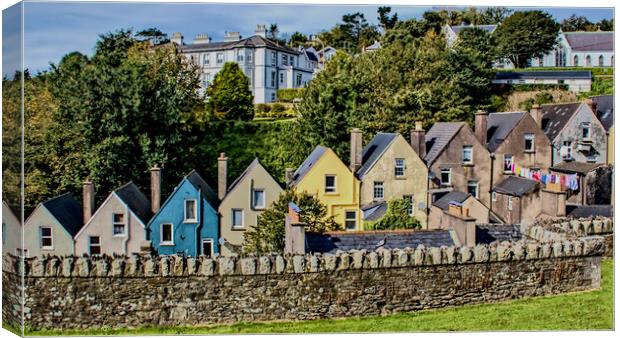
point(67, 212)
point(489, 233)
point(376, 45)
point(311, 56)
point(243, 174)
point(251, 42)
point(499, 126)
point(585, 211)
point(370, 240)
point(556, 116)
point(374, 211)
point(515, 186)
point(487, 28)
point(137, 202)
point(373, 150)
point(590, 41)
point(453, 196)
point(545, 74)
point(575, 167)
point(199, 183)
point(604, 109)
point(310, 161)
point(438, 137)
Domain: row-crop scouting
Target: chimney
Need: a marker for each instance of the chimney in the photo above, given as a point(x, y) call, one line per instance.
point(592, 106)
point(88, 201)
point(356, 149)
point(288, 175)
point(155, 188)
point(418, 139)
point(294, 231)
point(480, 126)
point(177, 38)
point(232, 36)
point(222, 174)
point(536, 113)
point(202, 38)
point(261, 30)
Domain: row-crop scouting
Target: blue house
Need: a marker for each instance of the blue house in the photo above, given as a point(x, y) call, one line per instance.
point(187, 222)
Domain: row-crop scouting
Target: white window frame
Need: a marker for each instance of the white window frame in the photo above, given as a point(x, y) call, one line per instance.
point(281, 77)
point(510, 203)
point(284, 60)
point(51, 237)
point(124, 224)
point(206, 60)
point(274, 59)
point(506, 156)
point(398, 167)
point(468, 149)
point(441, 172)
point(190, 220)
point(474, 184)
point(335, 186)
point(254, 205)
point(219, 58)
point(531, 138)
point(568, 145)
point(411, 199)
point(299, 80)
point(378, 186)
point(161, 234)
point(273, 79)
point(586, 126)
point(90, 245)
point(494, 196)
point(347, 219)
point(232, 218)
point(202, 242)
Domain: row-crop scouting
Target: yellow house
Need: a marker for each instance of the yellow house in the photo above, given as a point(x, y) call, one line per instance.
point(326, 177)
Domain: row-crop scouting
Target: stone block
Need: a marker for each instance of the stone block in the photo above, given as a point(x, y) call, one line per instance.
point(577, 247)
point(518, 250)
point(149, 267)
point(118, 265)
point(38, 266)
point(597, 227)
point(67, 266)
point(545, 250)
point(330, 262)
point(403, 258)
point(608, 225)
point(386, 257)
point(191, 266)
point(314, 262)
point(585, 224)
point(179, 265)
point(344, 261)
point(532, 250)
point(299, 264)
point(567, 248)
point(450, 254)
point(435, 254)
point(226, 265)
point(164, 266)
point(101, 267)
point(419, 255)
point(557, 249)
point(504, 251)
point(466, 254)
point(481, 254)
point(133, 268)
point(596, 224)
point(207, 266)
point(358, 259)
point(373, 260)
point(83, 267)
point(280, 264)
point(248, 266)
point(264, 265)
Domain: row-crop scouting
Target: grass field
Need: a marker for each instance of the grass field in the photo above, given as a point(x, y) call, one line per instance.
point(591, 310)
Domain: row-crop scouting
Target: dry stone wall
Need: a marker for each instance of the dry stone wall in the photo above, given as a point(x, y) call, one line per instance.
point(82, 292)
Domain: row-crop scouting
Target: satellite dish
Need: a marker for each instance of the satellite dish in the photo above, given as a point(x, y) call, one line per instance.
point(222, 241)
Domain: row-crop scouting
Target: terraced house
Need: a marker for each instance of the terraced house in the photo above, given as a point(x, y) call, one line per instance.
point(268, 65)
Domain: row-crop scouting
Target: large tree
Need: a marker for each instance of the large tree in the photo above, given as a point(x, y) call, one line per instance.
point(385, 20)
point(230, 97)
point(352, 34)
point(525, 35)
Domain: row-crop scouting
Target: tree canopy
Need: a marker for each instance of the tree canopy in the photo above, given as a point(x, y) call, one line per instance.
point(396, 217)
point(230, 97)
point(353, 34)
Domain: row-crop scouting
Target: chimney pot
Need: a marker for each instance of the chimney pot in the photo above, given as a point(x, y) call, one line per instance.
point(88, 202)
point(222, 175)
point(480, 126)
point(155, 188)
point(356, 149)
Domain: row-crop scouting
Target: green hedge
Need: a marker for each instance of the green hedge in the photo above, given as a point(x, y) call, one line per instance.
point(289, 95)
point(504, 88)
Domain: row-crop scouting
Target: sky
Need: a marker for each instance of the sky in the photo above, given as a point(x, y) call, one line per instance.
point(53, 29)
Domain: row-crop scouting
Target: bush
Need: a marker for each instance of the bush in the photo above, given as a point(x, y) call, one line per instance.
point(289, 95)
point(395, 218)
point(278, 108)
point(262, 108)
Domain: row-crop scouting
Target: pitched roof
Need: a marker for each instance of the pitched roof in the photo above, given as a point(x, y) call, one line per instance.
point(590, 41)
point(67, 212)
point(137, 202)
point(251, 42)
point(544, 74)
point(372, 240)
point(438, 138)
point(254, 163)
point(556, 116)
point(374, 211)
point(575, 167)
point(585, 211)
point(499, 126)
point(489, 233)
point(453, 196)
point(604, 109)
point(515, 186)
point(486, 28)
point(373, 151)
point(312, 56)
point(308, 163)
point(199, 183)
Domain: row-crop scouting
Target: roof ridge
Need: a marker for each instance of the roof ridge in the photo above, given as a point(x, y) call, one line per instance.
point(57, 197)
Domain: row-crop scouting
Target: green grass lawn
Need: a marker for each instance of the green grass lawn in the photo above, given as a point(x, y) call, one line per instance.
point(591, 310)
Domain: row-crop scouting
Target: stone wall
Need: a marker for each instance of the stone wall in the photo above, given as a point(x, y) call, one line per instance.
point(84, 292)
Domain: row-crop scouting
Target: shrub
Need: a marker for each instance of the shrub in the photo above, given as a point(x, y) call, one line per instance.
point(396, 217)
point(278, 108)
point(289, 95)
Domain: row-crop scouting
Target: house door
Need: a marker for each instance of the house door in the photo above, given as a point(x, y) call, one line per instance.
point(207, 247)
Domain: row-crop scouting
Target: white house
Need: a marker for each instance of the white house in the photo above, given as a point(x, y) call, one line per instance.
point(452, 32)
point(580, 49)
point(267, 65)
point(576, 80)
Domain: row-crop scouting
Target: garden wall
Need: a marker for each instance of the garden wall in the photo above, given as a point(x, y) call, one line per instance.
point(137, 291)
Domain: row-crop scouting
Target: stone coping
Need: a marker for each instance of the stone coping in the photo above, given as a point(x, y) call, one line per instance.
point(179, 266)
point(567, 228)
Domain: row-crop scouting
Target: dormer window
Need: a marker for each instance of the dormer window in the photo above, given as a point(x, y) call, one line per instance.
point(586, 131)
point(46, 238)
point(190, 211)
point(528, 145)
point(258, 198)
point(468, 157)
point(118, 224)
point(330, 184)
point(399, 167)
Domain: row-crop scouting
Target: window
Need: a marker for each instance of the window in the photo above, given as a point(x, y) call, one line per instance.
point(600, 61)
point(281, 77)
point(330, 183)
point(207, 79)
point(446, 176)
point(249, 57)
point(378, 191)
point(468, 152)
point(560, 60)
point(410, 208)
point(298, 80)
point(291, 61)
point(94, 245)
point(273, 58)
point(507, 163)
point(219, 58)
point(567, 150)
point(494, 196)
point(588, 60)
point(166, 234)
point(585, 131)
point(399, 167)
point(207, 247)
point(258, 199)
point(46, 237)
point(284, 60)
point(237, 218)
point(239, 56)
point(118, 224)
point(273, 97)
point(206, 59)
point(350, 220)
point(273, 79)
point(528, 145)
point(472, 188)
point(190, 211)
point(509, 202)
point(576, 61)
